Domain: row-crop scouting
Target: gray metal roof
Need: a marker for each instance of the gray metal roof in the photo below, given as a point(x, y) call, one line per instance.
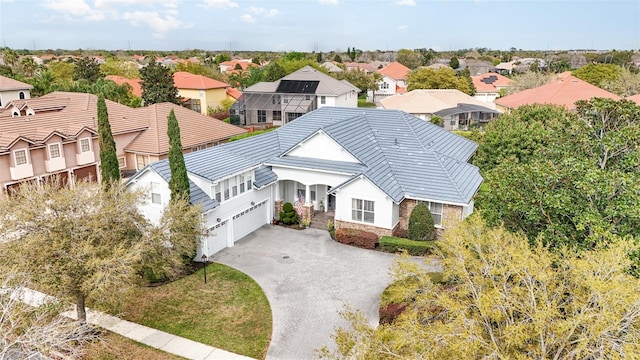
point(327, 86)
point(465, 108)
point(264, 176)
point(197, 195)
point(401, 154)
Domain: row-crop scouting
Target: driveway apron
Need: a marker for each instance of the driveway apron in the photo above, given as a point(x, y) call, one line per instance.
point(308, 279)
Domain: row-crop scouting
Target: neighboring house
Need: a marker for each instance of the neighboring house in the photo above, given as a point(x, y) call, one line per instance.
point(57, 134)
point(563, 91)
point(475, 66)
point(136, 88)
point(241, 65)
point(520, 65)
point(279, 102)
point(11, 89)
point(331, 67)
point(489, 85)
point(394, 81)
point(370, 167)
point(367, 68)
point(200, 93)
point(457, 109)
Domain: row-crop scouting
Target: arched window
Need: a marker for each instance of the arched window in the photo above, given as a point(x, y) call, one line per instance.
point(21, 95)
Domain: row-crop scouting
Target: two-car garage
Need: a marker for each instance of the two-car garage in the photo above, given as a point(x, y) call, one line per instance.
point(227, 231)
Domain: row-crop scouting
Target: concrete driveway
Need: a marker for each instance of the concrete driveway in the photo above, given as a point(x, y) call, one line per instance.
point(308, 278)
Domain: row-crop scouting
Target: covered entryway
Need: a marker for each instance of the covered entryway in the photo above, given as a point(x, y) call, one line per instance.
point(249, 220)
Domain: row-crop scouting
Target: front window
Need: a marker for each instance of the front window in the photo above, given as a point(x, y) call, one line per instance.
point(285, 99)
point(141, 161)
point(85, 145)
point(226, 189)
point(277, 115)
point(20, 157)
point(122, 162)
point(241, 182)
point(156, 198)
point(21, 95)
point(217, 192)
point(362, 210)
point(54, 151)
point(293, 116)
point(323, 100)
point(436, 211)
point(262, 116)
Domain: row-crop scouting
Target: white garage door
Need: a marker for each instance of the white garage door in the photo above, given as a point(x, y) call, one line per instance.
point(217, 239)
point(249, 220)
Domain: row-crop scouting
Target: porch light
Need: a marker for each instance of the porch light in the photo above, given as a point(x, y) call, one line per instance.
point(218, 219)
point(253, 203)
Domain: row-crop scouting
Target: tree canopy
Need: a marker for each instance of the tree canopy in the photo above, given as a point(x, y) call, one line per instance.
point(501, 298)
point(88, 69)
point(597, 74)
point(409, 58)
point(443, 78)
point(109, 167)
point(563, 178)
point(157, 84)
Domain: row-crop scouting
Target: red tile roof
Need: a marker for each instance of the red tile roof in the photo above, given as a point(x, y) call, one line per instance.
point(234, 93)
point(564, 91)
point(396, 71)
point(11, 84)
point(243, 64)
point(185, 80)
point(136, 88)
point(490, 85)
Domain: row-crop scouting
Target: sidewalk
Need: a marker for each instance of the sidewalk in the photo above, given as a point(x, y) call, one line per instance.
point(151, 337)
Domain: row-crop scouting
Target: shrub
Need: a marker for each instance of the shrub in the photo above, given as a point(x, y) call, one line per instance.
point(389, 313)
point(399, 232)
point(364, 239)
point(421, 225)
point(416, 248)
point(288, 215)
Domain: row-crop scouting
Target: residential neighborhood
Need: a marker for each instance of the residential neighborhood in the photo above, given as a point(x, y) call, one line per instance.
point(321, 180)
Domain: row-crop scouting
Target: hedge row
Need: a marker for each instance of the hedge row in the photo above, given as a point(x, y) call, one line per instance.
point(364, 239)
point(417, 248)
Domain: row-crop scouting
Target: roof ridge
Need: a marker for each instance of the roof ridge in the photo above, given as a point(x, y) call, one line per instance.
point(438, 156)
point(386, 160)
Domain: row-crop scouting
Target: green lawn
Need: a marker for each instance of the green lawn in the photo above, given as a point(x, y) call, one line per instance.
point(116, 347)
point(230, 312)
point(364, 104)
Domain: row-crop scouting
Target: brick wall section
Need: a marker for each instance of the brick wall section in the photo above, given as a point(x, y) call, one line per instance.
point(277, 208)
point(449, 213)
point(358, 226)
point(307, 212)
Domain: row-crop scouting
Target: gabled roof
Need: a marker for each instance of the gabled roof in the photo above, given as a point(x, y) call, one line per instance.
point(7, 84)
point(195, 129)
point(490, 82)
point(401, 154)
point(234, 93)
point(564, 91)
point(396, 71)
point(136, 88)
point(185, 80)
point(327, 85)
point(431, 101)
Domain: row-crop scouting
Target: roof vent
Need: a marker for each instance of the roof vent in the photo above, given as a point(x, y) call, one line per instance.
point(396, 142)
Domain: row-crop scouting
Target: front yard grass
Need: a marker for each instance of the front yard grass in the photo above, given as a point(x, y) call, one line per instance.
point(230, 312)
point(364, 104)
point(116, 347)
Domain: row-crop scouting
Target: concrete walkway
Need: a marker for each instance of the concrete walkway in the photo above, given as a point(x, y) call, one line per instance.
point(161, 340)
point(308, 279)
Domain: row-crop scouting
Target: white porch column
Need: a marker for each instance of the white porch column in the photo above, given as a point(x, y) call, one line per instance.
point(277, 190)
point(307, 195)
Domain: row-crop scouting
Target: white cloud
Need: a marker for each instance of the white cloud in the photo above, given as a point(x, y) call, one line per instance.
point(328, 2)
point(248, 18)
point(273, 13)
point(406, 2)
point(262, 11)
point(159, 24)
point(255, 10)
point(403, 28)
point(109, 4)
point(74, 8)
point(224, 4)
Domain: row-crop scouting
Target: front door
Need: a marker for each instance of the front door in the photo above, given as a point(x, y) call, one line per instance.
point(331, 200)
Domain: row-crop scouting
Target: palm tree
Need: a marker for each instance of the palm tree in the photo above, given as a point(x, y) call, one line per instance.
point(28, 65)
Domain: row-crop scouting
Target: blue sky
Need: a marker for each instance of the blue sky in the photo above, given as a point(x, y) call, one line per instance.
point(325, 25)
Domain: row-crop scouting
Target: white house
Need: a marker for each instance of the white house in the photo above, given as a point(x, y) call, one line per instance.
point(11, 90)
point(368, 166)
point(394, 81)
point(279, 102)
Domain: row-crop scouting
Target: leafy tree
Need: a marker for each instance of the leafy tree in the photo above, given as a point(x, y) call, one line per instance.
point(359, 79)
point(528, 80)
point(597, 74)
point(295, 56)
point(444, 78)
point(500, 298)
point(62, 69)
point(157, 84)
point(466, 75)
point(91, 244)
point(43, 83)
point(127, 69)
point(566, 179)
point(29, 332)
point(426, 56)
point(220, 58)
point(10, 58)
point(337, 58)
point(28, 66)
point(626, 84)
point(179, 183)
point(454, 63)
point(109, 167)
point(274, 71)
point(319, 57)
point(421, 225)
point(6, 71)
point(88, 69)
point(409, 58)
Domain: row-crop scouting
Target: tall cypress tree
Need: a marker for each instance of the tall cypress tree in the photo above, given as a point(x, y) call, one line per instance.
point(179, 183)
point(109, 167)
